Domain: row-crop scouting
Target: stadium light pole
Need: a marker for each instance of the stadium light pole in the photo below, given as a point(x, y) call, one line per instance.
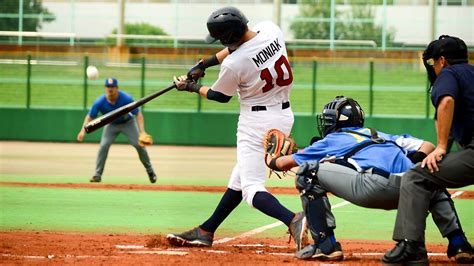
point(332, 25)
point(433, 19)
point(277, 12)
point(20, 21)
point(120, 29)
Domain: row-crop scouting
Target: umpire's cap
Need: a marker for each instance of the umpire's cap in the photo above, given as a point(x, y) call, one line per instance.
point(227, 25)
point(452, 48)
point(111, 82)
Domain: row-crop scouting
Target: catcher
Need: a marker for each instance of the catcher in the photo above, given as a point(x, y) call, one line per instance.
point(360, 165)
point(112, 99)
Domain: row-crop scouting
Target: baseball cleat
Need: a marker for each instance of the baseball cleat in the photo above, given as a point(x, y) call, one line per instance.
point(95, 179)
point(461, 253)
point(407, 252)
point(195, 237)
point(313, 252)
point(298, 230)
point(152, 176)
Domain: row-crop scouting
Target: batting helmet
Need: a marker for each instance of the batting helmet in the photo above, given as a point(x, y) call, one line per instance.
point(339, 113)
point(227, 25)
point(452, 48)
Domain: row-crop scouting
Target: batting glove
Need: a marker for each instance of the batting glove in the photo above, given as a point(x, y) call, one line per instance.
point(197, 71)
point(182, 83)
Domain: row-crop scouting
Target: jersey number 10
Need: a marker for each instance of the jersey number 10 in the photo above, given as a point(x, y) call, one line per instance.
point(280, 81)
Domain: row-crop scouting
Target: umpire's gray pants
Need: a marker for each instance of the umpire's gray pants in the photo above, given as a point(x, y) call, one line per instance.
point(375, 191)
point(455, 170)
point(110, 133)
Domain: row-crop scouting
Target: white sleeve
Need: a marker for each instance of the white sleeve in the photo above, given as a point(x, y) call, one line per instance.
point(227, 83)
point(408, 142)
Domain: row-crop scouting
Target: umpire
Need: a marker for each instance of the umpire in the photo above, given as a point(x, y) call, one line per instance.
point(112, 99)
point(452, 94)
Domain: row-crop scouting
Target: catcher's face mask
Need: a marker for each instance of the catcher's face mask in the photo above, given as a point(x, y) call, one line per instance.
point(339, 113)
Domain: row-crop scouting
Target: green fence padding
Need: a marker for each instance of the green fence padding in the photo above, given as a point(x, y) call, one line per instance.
point(177, 128)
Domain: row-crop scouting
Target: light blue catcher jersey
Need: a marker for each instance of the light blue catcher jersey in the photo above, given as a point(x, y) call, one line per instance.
point(389, 156)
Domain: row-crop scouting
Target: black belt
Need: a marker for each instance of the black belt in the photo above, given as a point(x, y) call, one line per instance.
point(380, 172)
point(376, 171)
point(257, 108)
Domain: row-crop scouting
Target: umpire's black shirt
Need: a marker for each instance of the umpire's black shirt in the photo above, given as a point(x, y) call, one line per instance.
point(457, 81)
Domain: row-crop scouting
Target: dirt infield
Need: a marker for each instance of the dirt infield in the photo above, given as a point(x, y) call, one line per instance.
point(93, 249)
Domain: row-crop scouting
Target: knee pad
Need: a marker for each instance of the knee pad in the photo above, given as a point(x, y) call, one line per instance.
point(307, 181)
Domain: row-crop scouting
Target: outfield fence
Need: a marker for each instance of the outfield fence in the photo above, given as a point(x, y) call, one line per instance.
point(384, 87)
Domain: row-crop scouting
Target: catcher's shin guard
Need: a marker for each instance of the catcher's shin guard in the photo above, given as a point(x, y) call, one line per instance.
point(313, 201)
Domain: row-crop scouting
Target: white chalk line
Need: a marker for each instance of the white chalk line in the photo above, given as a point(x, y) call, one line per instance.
point(264, 228)
point(456, 194)
point(365, 254)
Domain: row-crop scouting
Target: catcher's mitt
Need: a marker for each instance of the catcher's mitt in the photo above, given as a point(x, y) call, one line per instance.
point(277, 144)
point(144, 139)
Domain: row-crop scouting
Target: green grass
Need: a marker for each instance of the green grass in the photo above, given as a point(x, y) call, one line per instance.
point(399, 89)
point(222, 182)
point(121, 211)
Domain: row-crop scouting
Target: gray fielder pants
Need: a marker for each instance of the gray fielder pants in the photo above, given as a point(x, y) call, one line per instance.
point(378, 192)
point(110, 133)
point(455, 170)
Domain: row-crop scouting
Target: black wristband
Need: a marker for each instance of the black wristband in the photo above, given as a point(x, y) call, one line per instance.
point(273, 165)
point(211, 61)
point(417, 157)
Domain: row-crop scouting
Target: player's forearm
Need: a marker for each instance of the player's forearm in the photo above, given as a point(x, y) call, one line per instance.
point(444, 120)
point(285, 163)
point(87, 119)
point(426, 147)
point(141, 122)
point(222, 54)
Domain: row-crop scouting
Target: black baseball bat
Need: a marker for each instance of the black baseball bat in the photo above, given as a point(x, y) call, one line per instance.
point(111, 116)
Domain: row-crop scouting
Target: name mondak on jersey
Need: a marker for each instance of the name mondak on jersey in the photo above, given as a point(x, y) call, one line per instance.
point(259, 70)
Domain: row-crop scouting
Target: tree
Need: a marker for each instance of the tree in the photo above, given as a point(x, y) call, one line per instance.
point(356, 23)
point(30, 7)
point(141, 29)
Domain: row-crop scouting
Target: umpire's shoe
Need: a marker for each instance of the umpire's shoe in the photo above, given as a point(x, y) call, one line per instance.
point(152, 177)
point(95, 179)
point(195, 237)
point(461, 253)
point(407, 252)
point(315, 252)
point(298, 230)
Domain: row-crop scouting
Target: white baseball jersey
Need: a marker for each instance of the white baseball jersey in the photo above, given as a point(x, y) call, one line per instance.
point(258, 70)
point(260, 73)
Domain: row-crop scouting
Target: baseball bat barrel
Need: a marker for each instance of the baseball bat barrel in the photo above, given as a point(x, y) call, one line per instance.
point(111, 116)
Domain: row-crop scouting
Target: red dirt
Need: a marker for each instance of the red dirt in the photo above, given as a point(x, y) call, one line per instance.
point(274, 190)
point(92, 249)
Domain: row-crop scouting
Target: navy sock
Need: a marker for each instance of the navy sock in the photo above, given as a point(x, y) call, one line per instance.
point(268, 204)
point(229, 201)
point(456, 238)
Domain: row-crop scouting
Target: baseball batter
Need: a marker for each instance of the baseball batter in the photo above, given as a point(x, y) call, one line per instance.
point(255, 66)
point(112, 99)
point(360, 165)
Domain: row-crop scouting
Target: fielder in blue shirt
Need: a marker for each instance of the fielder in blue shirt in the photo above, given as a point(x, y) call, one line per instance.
point(362, 166)
point(131, 124)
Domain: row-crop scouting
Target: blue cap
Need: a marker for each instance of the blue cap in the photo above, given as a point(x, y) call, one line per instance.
point(111, 82)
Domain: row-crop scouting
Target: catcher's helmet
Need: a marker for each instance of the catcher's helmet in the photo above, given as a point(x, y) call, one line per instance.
point(339, 113)
point(452, 48)
point(227, 25)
